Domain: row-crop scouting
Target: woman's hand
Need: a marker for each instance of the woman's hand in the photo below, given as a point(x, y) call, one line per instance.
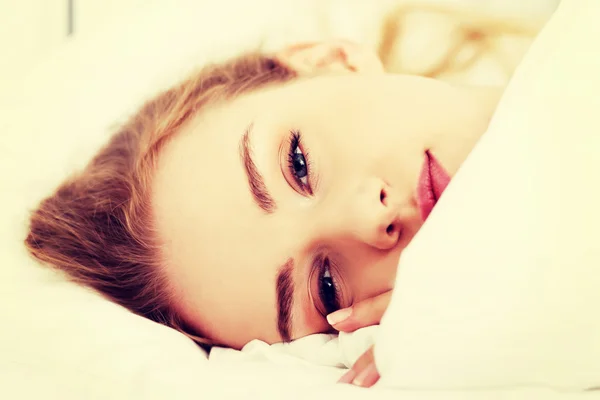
point(364, 372)
point(365, 313)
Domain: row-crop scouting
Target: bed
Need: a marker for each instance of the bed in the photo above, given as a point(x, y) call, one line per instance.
point(509, 312)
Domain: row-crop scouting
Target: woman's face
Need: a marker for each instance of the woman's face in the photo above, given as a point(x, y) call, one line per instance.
point(293, 201)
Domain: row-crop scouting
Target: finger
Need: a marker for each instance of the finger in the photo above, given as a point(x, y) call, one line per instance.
point(368, 377)
point(364, 360)
point(361, 363)
point(365, 313)
point(348, 377)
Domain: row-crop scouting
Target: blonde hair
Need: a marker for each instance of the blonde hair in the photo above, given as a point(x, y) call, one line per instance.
point(97, 227)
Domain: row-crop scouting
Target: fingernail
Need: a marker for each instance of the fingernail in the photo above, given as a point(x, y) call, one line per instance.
point(339, 316)
point(348, 376)
point(367, 377)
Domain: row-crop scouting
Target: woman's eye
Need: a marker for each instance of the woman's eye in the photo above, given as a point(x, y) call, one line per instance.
point(299, 164)
point(328, 290)
point(299, 168)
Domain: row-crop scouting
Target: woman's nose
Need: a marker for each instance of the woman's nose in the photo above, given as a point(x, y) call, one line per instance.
point(376, 211)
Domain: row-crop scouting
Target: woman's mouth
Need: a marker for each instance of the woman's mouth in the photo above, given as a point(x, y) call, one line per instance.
point(432, 183)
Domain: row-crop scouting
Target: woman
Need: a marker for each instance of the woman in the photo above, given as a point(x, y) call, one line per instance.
point(265, 198)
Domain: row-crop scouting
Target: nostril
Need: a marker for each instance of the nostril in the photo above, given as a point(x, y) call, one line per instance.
point(390, 229)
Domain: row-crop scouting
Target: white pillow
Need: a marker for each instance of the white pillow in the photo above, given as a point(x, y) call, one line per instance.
point(501, 287)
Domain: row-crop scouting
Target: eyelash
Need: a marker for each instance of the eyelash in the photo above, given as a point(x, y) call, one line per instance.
point(329, 304)
point(295, 143)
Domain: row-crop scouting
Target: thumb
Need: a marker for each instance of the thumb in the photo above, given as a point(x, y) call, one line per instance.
point(364, 313)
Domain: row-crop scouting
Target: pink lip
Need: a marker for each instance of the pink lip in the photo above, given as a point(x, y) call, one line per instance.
point(432, 183)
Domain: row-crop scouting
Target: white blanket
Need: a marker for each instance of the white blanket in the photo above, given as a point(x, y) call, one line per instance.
point(324, 350)
point(513, 284)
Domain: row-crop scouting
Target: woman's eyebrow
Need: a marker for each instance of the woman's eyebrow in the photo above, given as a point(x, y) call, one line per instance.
point(259, 190)
point(284, 287)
